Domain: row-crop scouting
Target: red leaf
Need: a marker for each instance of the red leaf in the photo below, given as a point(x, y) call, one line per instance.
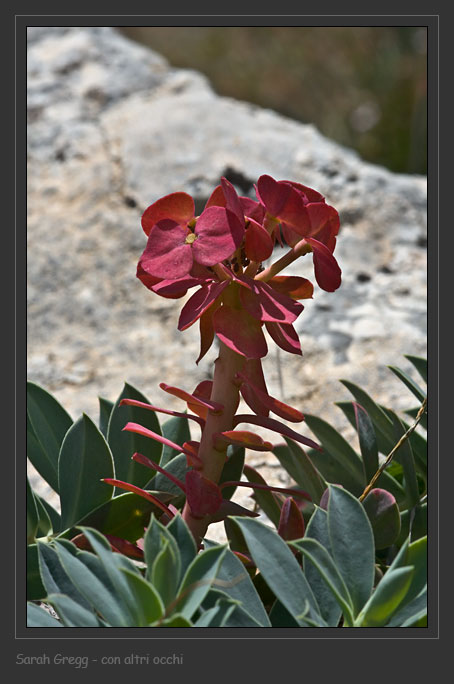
point(145, 432)
point(240, 332)
point(140, 492)
point(291, 522)
point(292, 286)
point(140, 458)
point(191, 399)
point(203, 495)
point(243, 438)
point(219, 233)
point(253, 368)
point(199, 303)
point(270, 488)
point(167, 255)
point(327, 271)
point(142, 404)
point(285, 337)
point(278, 407)
point(258, 244)
point(178, 206)
point(276, 426)
point(267, 304)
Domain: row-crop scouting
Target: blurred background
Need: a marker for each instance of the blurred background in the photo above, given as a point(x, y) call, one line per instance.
point(364, 87)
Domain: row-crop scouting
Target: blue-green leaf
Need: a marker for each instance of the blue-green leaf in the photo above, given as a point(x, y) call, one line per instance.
point(325, 565)
point(148, 602)
point(232, 470)
point(54, 577)
point(185, 541)
point(38, 617)
point(71, 613)
point(124, 444)
point(279, 569)
point(367, 441)
point(105, 409)
point(84, 460)
point(47, 424)
point(298, 464)
point(32, 515)
point(176, 429)
point(198, 580)
point(352, 544)
point(409, 382)
point(420, 364)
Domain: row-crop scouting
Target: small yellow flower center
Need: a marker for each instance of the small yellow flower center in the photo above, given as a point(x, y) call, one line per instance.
point(190, 237)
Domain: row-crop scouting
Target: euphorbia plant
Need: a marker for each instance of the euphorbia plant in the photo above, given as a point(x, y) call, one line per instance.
point(221, 253)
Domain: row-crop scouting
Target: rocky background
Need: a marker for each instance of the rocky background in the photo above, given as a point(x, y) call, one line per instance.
point(111, 128)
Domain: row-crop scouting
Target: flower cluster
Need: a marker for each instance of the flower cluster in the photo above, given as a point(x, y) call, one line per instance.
point(220, 253)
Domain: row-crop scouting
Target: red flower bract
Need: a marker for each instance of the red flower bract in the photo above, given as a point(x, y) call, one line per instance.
point(177, 239)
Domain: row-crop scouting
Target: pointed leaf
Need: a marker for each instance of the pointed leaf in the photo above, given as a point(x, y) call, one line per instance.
point(299, 466)
point(71, 613)
point(352, 544)
point(176, 430)
point(285, 337)
point(409, 382)
point(291, 523)
point(185, 541)
point(232, 470)
point(265, 499)
point(386, 598)
point(322, 561)
point(420, 364)
point(333, 443)
point(243, 438)
point(123, 444)
point(276, 426)
point(85, 458)
point(279, 568)
point(38, 617)
point(48, 422)
point(105, 409)
point(198, 579)
point(317, 529)
point(367, 441)
point(165, 573)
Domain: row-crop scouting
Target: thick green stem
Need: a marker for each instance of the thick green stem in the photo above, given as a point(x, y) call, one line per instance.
point(225, 391)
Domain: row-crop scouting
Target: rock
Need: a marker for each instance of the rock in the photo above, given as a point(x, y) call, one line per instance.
point(112, 127)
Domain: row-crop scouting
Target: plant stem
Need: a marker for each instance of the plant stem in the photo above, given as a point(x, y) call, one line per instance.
point(301, 248)
point(389, 458)
point(225, 391)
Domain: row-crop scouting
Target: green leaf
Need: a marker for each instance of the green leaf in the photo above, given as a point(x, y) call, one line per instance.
point(420, 364)
point(165, 573)
point(352, 544)
point(234, 580)
point(124, 444)
point(54, 577)
point(52, 513)
point(367, 441)
point(404, 455)
point(35, 587)
point(47, 424)
point(280, 617)
point(156, 536)
point(300, 467)
point(333, 442)
point(95, 591)
point(386, 598)
point(45, 526)
point(383, 514)
point(176, 620)
point(32, 515)
point(409, 614)
point(198, 579)
point(185, 541)
point(279, 568)
point(416, 556)
point(38, 617)
point(216, 616)
point(375, 412)
point(147, 600)
point(409, 382)
point(176, 429)
point(325, 565)
point(265, 499)
point(85, 458)
point(112, 562)
point(317, 529)
point(177, 467)
point(105, 409)
point(71, 613)
point(125, 516)
point(233, 469)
